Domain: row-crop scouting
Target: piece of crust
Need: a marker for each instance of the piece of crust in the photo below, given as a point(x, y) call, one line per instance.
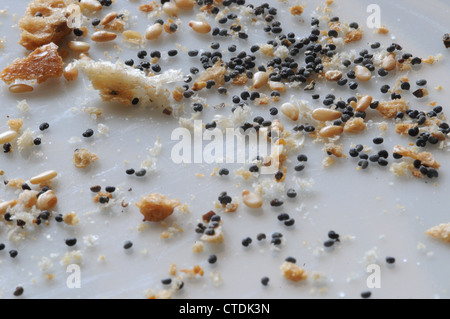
point(390, 108)
point(441, 232)
point(45, 21)
point(425, 158)
point(121, 83)
point(42, 64)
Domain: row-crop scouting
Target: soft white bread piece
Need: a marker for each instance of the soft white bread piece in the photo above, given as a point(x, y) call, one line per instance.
point(122, 83)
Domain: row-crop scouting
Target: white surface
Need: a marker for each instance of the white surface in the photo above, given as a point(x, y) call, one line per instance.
point(374, 209)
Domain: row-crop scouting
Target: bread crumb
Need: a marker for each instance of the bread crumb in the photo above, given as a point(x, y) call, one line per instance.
point(15, 124)
point(121, 83)
point(293, 272)
point(156, 207)
point(441, 232)
point(71, 219)
point(197, 247)
point(25, 140)
point(328, 161)
point(390, 108)
point(82, 158)
point(297, 10)
point(23, 106)
point(425, 158)
point(353, 36)
point(217, 238)
point(42, 64)
point(216, 73)
point(93, 111)
point(45, 264)
point(194, 272)
point(172, 269)
point(355, 125)
point(51, 27)
point(73, 257)
point(216, 278)
point(382, 30)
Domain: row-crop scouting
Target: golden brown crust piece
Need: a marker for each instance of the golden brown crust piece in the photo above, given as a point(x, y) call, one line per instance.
point(293, 272)
point(42, 64)
point(44, 22)
point(82, 158)
point(441, 232)
point(216, 73)
point(425, 158)
point(390, 108)
point(156, 207)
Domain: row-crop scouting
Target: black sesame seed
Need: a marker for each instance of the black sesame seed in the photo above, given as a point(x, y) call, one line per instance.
point(37, 141)
point(289, 222)
point(166, 281)
point(290, 260)
point(353, 152)
point(366, 294)
point(127, 245)
point(422, 82)
point(353, 85)
point(390, 260)
point(142, 54)
point(78, 32)
point(363, 164)
point(276, 202)
point(110, 189)
point(172, 53)
point(265, 281)
point(130, 171)
point(382, 72)
point(374, 158)
point(13, 253)
point(246, 241)
point(71, 242)
point(405, 86)
point(141, 172)
point(212, 259)
point(382, 162)
point(291, 193)
point(103, 200)
point(88, 133)
point(224, 172)
point(378, 140)
point(283, 216)
point(44, 126)
point(329, 243)
point(96, 188)
point(333, 33)
point(261, 236)
point(193, 53)
point(385, 88)
point(18, 292)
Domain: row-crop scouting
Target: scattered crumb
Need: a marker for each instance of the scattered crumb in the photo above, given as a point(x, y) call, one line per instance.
point(441, 232)
point(293, 272)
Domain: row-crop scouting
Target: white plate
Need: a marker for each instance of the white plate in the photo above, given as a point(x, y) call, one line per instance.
point(376, 213)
